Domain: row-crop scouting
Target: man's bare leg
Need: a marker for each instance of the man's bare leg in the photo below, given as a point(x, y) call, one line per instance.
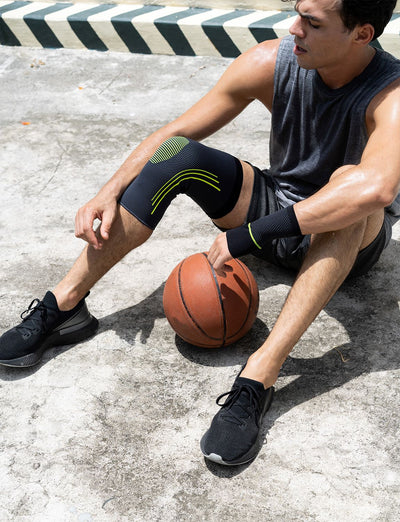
point(327, 264)
point(127, 233)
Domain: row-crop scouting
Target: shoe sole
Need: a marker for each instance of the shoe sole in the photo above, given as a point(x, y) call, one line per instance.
point(247, 457)
point(61, 337)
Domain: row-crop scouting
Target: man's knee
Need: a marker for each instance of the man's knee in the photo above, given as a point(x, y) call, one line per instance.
point(355, 237)
point(363, 232)
point(212, 178)
point(346, 240)
point(373, 227)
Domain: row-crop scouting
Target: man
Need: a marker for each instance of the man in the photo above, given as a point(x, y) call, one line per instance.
point(325, 207)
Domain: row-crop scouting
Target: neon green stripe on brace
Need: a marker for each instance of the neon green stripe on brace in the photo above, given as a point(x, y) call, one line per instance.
point(199, 172)
point(180, 174)
point(252, 237)
point(176, 184)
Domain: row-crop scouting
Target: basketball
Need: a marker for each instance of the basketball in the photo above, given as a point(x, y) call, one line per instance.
point(206, 309)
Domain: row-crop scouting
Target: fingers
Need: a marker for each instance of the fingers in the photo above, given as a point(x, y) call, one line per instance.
point(106, 223)
point(218, 262)
point(222, 268)
point(219, 255)
point(221, 271)
point(84, 226)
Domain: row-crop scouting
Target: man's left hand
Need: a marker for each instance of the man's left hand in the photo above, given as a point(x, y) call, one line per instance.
point(219, 254)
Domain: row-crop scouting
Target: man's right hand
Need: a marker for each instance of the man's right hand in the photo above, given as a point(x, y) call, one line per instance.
point(102, 207)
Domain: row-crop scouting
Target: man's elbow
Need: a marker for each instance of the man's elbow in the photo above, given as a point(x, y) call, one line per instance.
point(380, 195)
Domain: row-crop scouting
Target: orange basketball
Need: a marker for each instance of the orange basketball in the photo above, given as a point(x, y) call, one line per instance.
point(206, 309)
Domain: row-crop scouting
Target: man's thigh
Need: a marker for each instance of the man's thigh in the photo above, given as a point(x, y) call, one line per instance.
point(290, 252)
point(368, 256)
point(238, 214)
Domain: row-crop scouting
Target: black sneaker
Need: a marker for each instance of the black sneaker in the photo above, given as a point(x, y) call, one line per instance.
point(44, 325)
point(233, 435)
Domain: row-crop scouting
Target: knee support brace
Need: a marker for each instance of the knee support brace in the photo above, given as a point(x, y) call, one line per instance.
point(213, 179)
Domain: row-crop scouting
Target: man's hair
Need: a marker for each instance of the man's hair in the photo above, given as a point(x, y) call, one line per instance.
point(359, 12)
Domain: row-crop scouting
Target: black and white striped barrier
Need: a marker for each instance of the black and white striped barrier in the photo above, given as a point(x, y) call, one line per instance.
point(150, 29)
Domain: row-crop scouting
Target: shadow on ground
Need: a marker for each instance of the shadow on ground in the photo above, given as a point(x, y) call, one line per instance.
point(366, 307)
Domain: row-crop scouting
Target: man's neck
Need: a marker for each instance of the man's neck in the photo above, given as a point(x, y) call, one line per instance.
point(348, 70)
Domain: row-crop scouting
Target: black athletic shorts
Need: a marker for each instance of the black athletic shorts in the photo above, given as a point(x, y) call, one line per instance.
point(290, 252)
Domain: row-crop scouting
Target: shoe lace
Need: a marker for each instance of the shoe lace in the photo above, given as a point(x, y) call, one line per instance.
point(241, 403)
point(33, 318)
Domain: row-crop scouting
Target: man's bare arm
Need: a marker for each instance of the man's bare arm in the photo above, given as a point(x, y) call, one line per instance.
point(365, 188)
point(354, 192)
point(249, 77)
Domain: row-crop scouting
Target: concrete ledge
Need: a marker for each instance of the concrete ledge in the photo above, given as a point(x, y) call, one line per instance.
point(150, 29)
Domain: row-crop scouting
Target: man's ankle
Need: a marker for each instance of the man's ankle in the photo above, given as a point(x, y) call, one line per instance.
point(260, 371)
point(66, 301)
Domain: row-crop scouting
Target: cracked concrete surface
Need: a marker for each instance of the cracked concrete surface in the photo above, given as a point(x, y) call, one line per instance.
point(109, 430)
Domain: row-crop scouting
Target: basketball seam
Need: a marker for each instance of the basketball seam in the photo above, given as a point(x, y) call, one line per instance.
point(221, 302)
point(187, 309)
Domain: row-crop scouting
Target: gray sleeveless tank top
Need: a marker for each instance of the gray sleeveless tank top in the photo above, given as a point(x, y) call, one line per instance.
point(316, 129)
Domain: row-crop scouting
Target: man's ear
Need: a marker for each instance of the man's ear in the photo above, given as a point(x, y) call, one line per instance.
point(363, 34)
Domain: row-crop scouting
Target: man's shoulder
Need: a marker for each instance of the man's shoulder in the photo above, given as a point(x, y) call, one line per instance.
point(384, 105)
point(384, 74)
point(252, 73)
point(386, 62)
point(264, 53)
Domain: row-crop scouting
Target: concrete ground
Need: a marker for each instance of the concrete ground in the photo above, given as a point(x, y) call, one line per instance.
point(109, 430)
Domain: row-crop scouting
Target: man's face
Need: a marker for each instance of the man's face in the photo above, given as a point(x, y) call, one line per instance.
point(322, 40)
